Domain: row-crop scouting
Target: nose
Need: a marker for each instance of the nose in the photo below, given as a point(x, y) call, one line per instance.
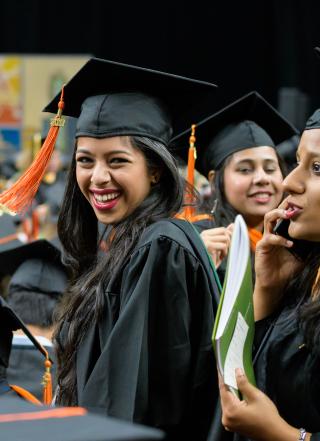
point(294, 182)
point(260, 177)
point(100, 174)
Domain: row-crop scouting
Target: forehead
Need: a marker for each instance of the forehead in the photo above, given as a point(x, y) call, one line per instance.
point(255, 154)
point(114, 142)
point(310, 142)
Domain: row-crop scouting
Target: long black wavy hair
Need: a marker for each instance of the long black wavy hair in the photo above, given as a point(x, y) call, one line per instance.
point(78, 232)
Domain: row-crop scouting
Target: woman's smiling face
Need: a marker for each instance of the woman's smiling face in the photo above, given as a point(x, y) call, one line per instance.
point(112, 175)
point(253, 183)
point(303, 186)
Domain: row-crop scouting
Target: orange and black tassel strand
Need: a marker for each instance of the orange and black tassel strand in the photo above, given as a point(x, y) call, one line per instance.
point(18, 198)
point(192, 156)
point(189, 212)
point(47, 382)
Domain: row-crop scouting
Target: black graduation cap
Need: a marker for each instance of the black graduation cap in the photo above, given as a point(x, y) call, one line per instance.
point(114, 99)
point(247, 122)
point(12, 255)
point(20, 420)
point(314, 121)
point(11, 322)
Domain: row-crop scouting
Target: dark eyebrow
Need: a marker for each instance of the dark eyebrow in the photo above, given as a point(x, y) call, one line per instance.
point(112, 152)
point(252, 161)
point(244, 160)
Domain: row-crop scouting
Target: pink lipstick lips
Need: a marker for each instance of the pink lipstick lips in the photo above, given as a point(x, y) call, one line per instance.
point(292, 211)
point(105, 199)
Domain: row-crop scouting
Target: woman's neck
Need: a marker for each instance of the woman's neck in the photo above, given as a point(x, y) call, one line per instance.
point(255, 223)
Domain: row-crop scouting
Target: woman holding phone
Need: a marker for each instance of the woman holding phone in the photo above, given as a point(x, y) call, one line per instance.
point(286, 404)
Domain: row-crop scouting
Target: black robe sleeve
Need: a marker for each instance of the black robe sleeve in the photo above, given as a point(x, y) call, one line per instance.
point(156, 364)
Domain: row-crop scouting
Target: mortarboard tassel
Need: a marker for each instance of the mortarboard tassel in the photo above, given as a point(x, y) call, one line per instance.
point(189, 212)
point(19, 197)
point(192, 156)
point(47, 381)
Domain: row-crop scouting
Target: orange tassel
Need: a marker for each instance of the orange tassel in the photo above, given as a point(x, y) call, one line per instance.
point(25, 394)
point(188, 213)
point(18, 198)
point(47, 382)
point(35, 226)
point(9, 238)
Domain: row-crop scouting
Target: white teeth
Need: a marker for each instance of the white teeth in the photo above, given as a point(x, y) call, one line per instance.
point(105, 197)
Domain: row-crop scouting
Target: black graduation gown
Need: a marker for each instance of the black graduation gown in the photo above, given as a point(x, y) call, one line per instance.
point(150, 358)
point(287, 371)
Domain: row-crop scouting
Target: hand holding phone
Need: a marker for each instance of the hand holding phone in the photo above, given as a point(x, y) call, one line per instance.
point(301, 248)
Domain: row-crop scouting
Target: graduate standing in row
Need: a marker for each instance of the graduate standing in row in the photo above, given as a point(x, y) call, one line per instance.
point(134, 336)
point(37, 283)
point(236, 149)
point(287, 313)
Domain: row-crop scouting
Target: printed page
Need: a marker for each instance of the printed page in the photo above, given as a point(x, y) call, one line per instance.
point(234, 358)
point(236, 268)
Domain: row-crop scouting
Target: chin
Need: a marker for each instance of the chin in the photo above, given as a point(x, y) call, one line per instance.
point(303, 233)
point(106, 219)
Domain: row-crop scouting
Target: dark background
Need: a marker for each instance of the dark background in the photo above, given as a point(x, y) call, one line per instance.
point(266, 45)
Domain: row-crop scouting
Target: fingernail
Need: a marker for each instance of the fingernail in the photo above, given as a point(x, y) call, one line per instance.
point(289, 243)
point(239, 372)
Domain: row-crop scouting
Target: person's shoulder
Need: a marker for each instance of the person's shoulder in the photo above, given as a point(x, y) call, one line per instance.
point(167, 229)
point(205, 224)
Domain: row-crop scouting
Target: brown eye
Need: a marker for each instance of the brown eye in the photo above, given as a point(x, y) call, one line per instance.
point(83, 160)
point(316, 167)
point(244, 170)
point(117, 160)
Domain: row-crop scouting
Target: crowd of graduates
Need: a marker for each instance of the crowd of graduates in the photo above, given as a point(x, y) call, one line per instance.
point(111, 269)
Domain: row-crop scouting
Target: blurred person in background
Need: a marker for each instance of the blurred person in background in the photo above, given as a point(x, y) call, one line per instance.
point(37, 283)
point(237, 153)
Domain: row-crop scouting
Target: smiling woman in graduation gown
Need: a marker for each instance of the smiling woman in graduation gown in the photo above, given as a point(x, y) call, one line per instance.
point(237, 153)
point(134, 335)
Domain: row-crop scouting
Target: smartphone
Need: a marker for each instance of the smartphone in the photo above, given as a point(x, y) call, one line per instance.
point(300, 248)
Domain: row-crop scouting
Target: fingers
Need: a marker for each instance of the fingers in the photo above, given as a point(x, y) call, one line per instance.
point(271, 218)
point(220, 245)
point(230, 227)
point(216, 239)
point(213, 232)
point(271, 240)
point(246, 388)
point(227, 398)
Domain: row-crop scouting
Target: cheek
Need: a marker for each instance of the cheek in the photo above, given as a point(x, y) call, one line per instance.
point(82, 179)
point(278, 182)
point(235, 186)
point(79, 178)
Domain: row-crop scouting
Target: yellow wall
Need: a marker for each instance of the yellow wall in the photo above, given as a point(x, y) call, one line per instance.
point(36, 77)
